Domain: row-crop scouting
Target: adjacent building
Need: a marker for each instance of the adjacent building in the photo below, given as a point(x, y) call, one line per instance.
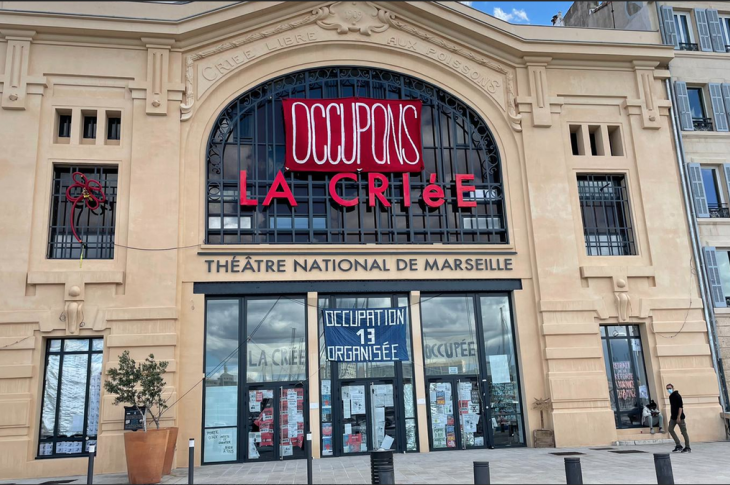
point(700, 84)
point(543, 250)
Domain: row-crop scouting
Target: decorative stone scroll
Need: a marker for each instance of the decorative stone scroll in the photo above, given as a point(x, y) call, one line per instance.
point(365, 19)
point(346, 17)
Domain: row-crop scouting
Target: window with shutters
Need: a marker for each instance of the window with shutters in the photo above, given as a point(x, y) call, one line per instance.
point(700, 120)
point(715, 275)
point(606, 214)
point(723, 267)
point(685, 36)
point(714, 193)
point(725, 24)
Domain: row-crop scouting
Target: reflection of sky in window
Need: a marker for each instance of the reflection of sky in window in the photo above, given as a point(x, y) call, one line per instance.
point(275, 328)
point(449, 320)
point(221, 337)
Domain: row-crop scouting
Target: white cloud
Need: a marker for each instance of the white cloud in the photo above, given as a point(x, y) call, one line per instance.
point(520, 15)
point(516, 16)
point(466, 2)
point(502, 15)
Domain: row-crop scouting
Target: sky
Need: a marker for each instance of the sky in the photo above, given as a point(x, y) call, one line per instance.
point(535, 13)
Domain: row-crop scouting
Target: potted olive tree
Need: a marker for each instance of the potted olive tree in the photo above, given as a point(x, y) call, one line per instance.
point(140, 385)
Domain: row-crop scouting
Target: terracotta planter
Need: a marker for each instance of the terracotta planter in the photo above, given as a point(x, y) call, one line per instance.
point(170, 452)
point(145, 454)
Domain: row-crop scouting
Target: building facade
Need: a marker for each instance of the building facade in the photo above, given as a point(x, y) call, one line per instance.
point(542, 250)
point(700, 85)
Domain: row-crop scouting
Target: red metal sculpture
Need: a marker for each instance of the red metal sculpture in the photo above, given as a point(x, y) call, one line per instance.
point(91, 193)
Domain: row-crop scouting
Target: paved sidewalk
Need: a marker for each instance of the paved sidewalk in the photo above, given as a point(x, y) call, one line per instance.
point(708, 463)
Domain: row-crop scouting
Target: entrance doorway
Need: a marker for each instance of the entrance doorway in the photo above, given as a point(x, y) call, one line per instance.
point(457, 415)
point(275, 420)
point(369, 416)
point(368, 405)
point(472, 378)
point(256, 376)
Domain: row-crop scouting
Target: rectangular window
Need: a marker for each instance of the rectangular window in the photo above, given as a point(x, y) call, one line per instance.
point(684, 32)
point(723, 266)
point(221, 381)
point(628, 386)
point(713, 192)
point(95, 227)
point(606, 214)
point(255, 370)
point(725, 23)
point(64, 126)
point(89, 126)
point(700, 120)
point(71, 394)
point(113, 128)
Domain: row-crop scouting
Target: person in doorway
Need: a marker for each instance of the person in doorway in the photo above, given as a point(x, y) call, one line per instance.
point(677, 418)
point(652, 417)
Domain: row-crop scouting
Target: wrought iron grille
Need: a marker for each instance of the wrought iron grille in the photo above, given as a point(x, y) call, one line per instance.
point(604, 204)
point(719, 211)
point(702, 124)
point(688, 46)
point(249, 135)
point(95, 228)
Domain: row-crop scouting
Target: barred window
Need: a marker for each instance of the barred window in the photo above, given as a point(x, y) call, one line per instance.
point(94, 227)
point(249, 135)
point(604, 205)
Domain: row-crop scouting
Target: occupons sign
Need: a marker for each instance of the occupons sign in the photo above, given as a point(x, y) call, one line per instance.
point(353, 135)
point(365, 334)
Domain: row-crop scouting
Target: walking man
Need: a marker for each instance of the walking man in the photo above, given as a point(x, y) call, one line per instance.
point(677, 418)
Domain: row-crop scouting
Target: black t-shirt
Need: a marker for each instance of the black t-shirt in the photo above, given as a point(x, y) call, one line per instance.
point(675, 401)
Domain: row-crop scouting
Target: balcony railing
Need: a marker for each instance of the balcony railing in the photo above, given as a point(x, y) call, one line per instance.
point(702, 124)
point(719, 211)
point(688, 46)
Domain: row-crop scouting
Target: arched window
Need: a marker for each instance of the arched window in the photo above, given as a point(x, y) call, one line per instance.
point(249, 135)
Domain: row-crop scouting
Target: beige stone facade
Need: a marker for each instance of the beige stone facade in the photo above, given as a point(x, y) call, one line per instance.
point(169, 70)
point(700, 35)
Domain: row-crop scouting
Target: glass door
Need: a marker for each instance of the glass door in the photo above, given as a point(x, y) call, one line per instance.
point(354, 414)
point(457, 414)
point(275, 423)
point(473, 417)
point(291, 423)
point(441, 413)
point(383, 416)
point(261, 424)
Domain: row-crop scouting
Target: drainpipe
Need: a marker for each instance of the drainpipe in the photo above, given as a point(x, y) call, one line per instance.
point(699, 257)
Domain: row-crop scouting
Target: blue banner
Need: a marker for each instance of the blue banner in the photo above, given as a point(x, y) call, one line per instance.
point(365, 334)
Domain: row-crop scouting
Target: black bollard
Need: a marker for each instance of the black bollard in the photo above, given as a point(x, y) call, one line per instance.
point(380, 460)
point(481, 473)
point(191, 460)
point(90, 471)
point(387, 475)
point(573, 473)
point(663, 466)
point(309, 459)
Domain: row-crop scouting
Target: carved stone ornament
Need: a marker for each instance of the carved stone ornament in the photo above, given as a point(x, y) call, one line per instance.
point(346, 17)
point(73, 311)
